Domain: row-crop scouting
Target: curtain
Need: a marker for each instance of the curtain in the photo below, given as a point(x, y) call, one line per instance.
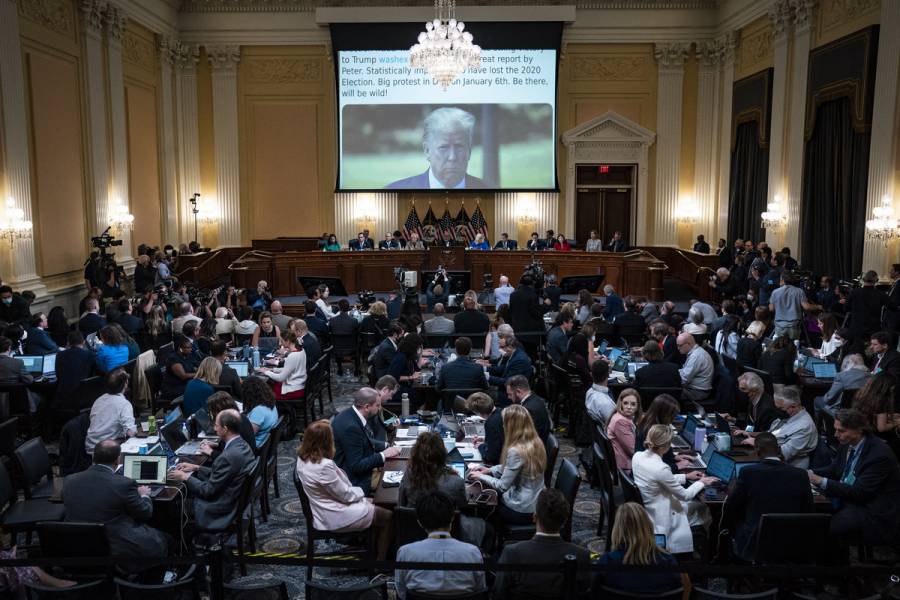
point(749, 184)
point(835, 178)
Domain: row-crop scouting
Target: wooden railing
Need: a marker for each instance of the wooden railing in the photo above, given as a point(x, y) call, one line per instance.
point(207, 269)
point(691, 268)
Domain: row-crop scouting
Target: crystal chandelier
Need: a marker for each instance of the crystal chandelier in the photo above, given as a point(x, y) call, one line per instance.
point(445, 50)
point(773, 217)
point(884, 226)
point(14, 226)
point(120, 219)
point(687, 212)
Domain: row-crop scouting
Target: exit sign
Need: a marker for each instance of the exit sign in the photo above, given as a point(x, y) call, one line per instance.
point(604, 168)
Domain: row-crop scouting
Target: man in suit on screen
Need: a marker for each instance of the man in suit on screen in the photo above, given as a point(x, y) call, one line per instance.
point(447, 143)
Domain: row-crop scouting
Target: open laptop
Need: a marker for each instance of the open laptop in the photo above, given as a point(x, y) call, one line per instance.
point(147, 469)
point(685, 440)
point(620, 365)
point(49, 368)
point(33, 364)
point(470, 429)
point(613, 354)
point(634, 367)
point(824, 370)
point(456, 462)
point(807, 362)
point(739, 466)
point(720, 466)
point(702, 461)
point(175, 438)
point(241, 367)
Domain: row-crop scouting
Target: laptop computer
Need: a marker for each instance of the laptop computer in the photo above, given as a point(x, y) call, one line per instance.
point(33, 364)
point(620, 365)
point(701, 462)
point(720, 466)
point(685, 440)
point(613, 354)
point(241, 367)
point(660, 539)
point(147, 469)
point(49, 369)
point(634, 367)
point(722, 424)
point(175, 438)
point(739, 466)
point(824, 370)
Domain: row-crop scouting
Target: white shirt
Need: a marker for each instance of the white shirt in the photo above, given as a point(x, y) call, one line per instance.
point(326, 308)
point(292, 374)
point(434, 184)
point(502, 294)
point(599, 404)
point(112, 417)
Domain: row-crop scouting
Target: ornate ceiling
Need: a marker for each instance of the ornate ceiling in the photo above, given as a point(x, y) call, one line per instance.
point(311, 5)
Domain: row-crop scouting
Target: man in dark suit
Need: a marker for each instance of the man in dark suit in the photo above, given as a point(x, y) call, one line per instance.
point(491, 445)
point(519, 391)
point(701, 246)
point(316, 324)
point(13, 308)
point(447, 143)
point(614, 304)
point(526, 314)
point(656, 373)
point(630, 322)
point(724, 254)
point(470, 320)
point(535, 244)
point(514, 362)
point(91, 321)
point(12, 370)
point(310, 342)
point(884, 358)
point(355, 451)
point(616, 244)
point(768, 487)
point(344, 330)
point(505, 243)
point(217, 488)
point(761, 411)
point(462, 373)
point(866, 304)
point(130, 323)
point(389, 243)
point(558, 337)
point(229, 376)
point(552, 293)
point(551, 511)
point(864, 480)
point(384, 353)
point(39, 341)
point(100, 495)
point(360, 243)
point(72, 365)
point(447, 240)
point(890, 318)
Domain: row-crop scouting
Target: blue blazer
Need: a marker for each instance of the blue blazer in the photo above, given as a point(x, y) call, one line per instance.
point(518, 364)
point(482, 246)
point(354, 449)
point(614, 307)
point(420, 182)
point(39, 342)
point(461, 373)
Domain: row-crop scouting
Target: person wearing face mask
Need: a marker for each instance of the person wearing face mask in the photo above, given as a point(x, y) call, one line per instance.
point(793, 427)
point(760, 405)
point(852, 376)
point(13, 309)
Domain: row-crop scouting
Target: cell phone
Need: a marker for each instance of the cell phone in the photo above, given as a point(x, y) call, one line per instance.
point(484, 498)
point(390, 421)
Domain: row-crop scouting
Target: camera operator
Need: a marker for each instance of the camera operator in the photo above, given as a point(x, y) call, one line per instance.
point(261, 298)
point(92, 272)
point(161, 265)
point(725, 285)
point(865, 305)
point(438, 291)
point(144, 274)
point(552, 293)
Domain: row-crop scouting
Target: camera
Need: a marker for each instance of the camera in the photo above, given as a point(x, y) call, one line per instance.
point(366, 299)
point(536, 270)
point(105, 240)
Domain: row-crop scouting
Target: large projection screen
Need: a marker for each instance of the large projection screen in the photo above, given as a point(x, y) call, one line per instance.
point(493, 129)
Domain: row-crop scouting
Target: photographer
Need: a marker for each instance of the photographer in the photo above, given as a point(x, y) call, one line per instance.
point(92, 272)
point(438, 291)
point(163, 273)
point(144, 274)
point(261, 298)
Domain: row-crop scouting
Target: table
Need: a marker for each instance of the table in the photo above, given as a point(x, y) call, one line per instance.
point(810, 387)
point(387, 497)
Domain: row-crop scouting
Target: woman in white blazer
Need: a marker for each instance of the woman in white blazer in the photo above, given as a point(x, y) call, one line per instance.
point(671, 506)
point(290, 380)
point(336, 504)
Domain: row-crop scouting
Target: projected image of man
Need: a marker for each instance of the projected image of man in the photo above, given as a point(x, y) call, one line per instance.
point(447, 143)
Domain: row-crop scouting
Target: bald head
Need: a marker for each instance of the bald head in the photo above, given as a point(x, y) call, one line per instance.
point(365, 401)
point(685, 342)
point(276, 308)
point(504, 280)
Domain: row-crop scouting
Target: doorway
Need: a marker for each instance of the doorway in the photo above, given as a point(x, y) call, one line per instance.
point(604, 201)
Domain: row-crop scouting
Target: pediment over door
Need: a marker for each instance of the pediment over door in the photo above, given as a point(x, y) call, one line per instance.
point(612, 139)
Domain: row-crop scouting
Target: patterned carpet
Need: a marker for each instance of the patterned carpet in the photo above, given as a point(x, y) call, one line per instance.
point(285, 531)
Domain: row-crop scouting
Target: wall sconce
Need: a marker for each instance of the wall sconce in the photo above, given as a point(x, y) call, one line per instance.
point(773, 217)
point(525, 211)
point(120, 220)
point(687, 212)
point(883, 226)
point(14, 226)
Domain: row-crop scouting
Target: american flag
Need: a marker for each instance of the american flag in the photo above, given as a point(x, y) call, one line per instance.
point(412, 223)
point(478, 224)
point(446, 223)
point(429, 225)
point(464, 225)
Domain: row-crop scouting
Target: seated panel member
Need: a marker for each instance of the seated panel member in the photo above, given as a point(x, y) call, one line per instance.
point(535, 243)
point(359, 243)
point(353, 440)
point(447, 143)
point(505, 243)
point(479, 243)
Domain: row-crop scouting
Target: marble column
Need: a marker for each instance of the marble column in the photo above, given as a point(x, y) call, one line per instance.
point(727, 44)
point(168, 165)
point(224, 61)
point(803, 21)
point(186, 58)
point(116, 21)
point(20, 271)
point(95, 85)
point(780, 16)
point(883, 149)
point(670, 58)
point(709, 105)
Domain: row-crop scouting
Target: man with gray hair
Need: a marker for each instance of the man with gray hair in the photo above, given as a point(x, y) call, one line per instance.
point(793, 428)
point(852, 376)
point(354, 445)
point(447, 144)
point(760, 405)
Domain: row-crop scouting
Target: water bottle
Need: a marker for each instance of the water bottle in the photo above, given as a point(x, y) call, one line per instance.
point(699, 438)
point(246, 352)
point(255, 358)
point(404, 405)
point(438, 365)
point(151, 424)
point(184, 430)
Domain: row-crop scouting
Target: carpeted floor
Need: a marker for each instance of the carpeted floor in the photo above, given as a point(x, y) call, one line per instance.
point(285, 531)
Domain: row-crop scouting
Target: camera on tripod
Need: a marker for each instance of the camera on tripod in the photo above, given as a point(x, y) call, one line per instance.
point(105, 240)
point(104, 267)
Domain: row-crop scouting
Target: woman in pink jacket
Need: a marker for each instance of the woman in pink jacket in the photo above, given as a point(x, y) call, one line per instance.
point(336, 504)
point(621, 427)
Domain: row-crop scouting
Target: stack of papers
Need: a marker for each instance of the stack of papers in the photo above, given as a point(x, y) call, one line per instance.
point(393, 477)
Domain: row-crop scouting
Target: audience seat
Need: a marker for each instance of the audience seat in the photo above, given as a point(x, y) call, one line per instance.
point(271, 465)
point(24, 515)
point(448, 397)
point(704, 594)
point(316, 590)
point(274, 590)
point(34, 467)
point(568, 481)
point(345, 346)
point(608, 593)
point(552, 454)
point(59, 539)
point(630, 491)
point(186, 587)
point(407, 529)
point(479, 595)
point(649, 393)
point(601, 470)
point(14, 403)
point(796, 539)
point(8, 439)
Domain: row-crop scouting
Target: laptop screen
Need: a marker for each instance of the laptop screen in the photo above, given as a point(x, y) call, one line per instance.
point(720, 466)
point(620, 365)
point(707, 454)
point(634, 367)
point(33, 364)
point(660, 540)
point(690, 426)
point(49, 364)
point(241, 367)
point(824, 371)
point(145, 468)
